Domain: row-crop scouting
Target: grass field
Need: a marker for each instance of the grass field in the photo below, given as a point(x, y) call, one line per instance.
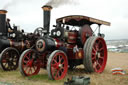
point(105, 78)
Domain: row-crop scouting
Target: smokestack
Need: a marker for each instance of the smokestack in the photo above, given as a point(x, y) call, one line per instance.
point(3, 30)
point(47, 10)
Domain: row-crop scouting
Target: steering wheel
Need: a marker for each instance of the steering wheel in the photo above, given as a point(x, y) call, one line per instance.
point(40, 31)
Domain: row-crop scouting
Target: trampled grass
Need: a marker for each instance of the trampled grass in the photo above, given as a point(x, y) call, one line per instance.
point(105, 78)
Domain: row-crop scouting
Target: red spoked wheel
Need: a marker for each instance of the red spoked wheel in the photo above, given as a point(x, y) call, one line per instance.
point(9, 59)
point(95, 52)
point(29, 63)
point(57, 65)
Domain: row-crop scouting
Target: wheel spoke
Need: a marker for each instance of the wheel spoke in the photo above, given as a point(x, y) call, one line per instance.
point(101, 49)
point(26, 68)
point(15, 60)
point(25, 61)
point(96, 69)
point(8, 67)
point(101, 58)
point(5, 64)
point(56, 76)
point(63, 63)
point(59, 58)
point(94, 53)
point(94, 64)
point(94, 57)
point(54, 65)
point(29, 70)
point(14, 63)
point(98, 63)
point(27, 57)
point(99, 43)
point(97, 47)
point(34, 68)
point(60, 72)
point(94, 49)
point(54, 60)
point(53, 70)
point(12, 54)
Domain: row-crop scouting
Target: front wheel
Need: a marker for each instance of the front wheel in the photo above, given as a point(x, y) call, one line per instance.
point(29, 63)
point(57, 65)
point(9, 59)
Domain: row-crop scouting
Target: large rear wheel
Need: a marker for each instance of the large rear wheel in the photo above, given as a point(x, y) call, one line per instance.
point(9, 58)
point(57, 65)
point(29, 63)
point(95, 54)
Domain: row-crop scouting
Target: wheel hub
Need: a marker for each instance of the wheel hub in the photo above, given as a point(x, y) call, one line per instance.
point(60, 66)
point(10, 59)
point(30, 63)
point(97, 55)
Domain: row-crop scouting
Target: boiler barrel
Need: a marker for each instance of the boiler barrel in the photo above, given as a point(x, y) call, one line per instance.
point(4, 43)
point(21, 45)
point(48, 44)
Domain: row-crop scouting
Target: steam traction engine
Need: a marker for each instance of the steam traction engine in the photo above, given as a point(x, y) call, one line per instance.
point(12, 42)
point(72, 42)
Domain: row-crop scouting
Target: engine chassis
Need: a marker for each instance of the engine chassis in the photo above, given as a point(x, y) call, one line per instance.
point(66, 48)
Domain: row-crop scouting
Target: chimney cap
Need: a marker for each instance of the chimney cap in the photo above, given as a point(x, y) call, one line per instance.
point(3, 11)
point(47, 7)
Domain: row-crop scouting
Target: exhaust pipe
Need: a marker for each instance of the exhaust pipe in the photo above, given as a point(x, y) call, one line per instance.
point(47, 10)
point(3, 30)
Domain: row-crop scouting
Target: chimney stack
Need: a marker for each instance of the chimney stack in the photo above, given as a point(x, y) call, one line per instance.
point(3, 30)
point(47, 10)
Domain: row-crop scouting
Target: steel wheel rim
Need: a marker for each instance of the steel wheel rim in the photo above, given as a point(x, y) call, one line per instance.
point(99, 55)
point(30, 65)
point(9, 60)
point(59, 66)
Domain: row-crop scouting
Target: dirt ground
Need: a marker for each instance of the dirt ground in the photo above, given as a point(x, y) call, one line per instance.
point(106, 78)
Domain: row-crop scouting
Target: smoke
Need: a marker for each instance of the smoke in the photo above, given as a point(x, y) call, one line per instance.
point(57, 3)
point(9, 3)
point(53, 3)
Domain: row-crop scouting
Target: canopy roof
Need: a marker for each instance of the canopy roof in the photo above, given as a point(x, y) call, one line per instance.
point(79, 20)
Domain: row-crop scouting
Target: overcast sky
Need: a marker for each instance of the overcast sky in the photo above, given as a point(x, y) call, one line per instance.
point(28, 14)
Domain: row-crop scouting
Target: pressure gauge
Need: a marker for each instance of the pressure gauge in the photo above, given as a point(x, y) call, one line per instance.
point(58, 33)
